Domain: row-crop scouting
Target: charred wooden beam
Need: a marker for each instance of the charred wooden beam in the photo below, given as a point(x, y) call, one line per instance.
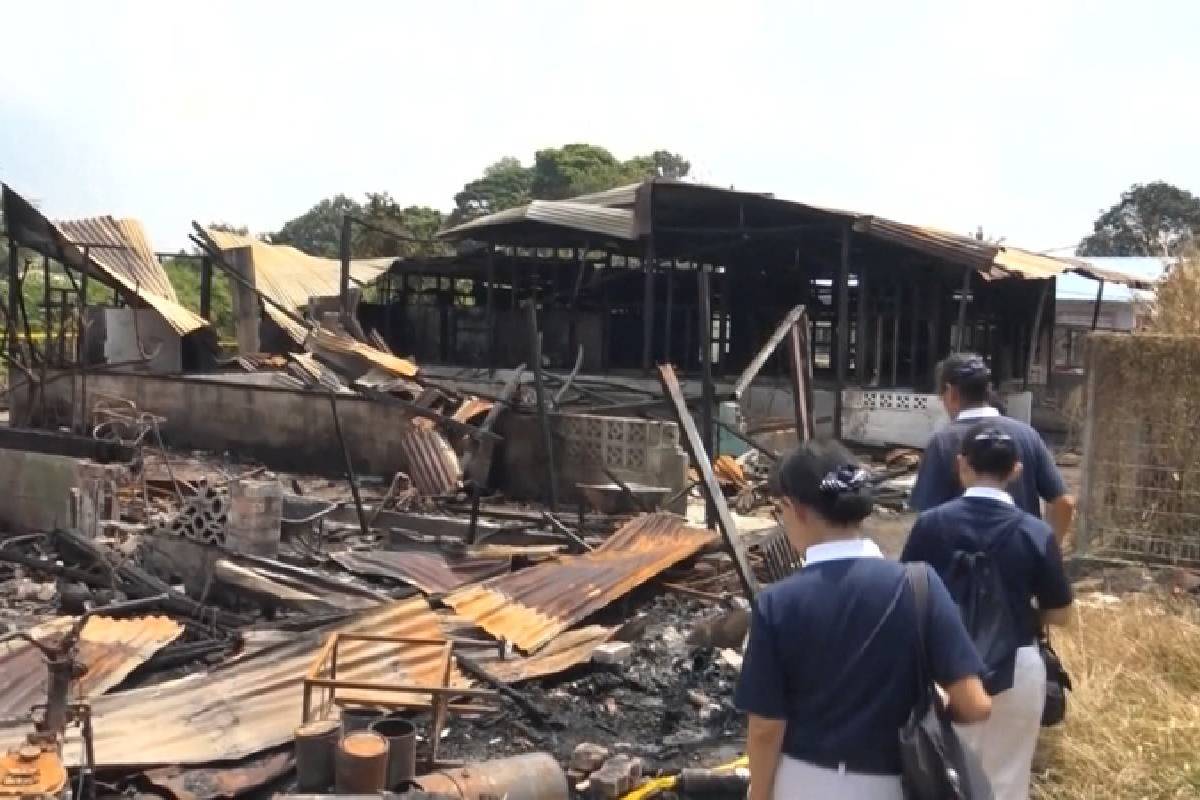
point(543, 410)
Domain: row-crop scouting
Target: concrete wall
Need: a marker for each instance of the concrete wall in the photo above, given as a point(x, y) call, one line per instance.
point(285, 429)
point(115, 334)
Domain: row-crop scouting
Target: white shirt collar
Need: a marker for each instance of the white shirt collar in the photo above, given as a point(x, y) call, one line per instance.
point(841, 549)
point(983, 412)
point(988, 493)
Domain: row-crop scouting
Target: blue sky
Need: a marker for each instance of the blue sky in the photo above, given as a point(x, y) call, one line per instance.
point(1023, 117)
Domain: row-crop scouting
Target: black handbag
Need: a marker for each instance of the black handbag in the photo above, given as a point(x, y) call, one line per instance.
point(1058, 683)
point(935, 764)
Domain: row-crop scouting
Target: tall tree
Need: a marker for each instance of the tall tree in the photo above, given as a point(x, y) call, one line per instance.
point(318, 231)
point(575, 169)
point(1154, 219)
point(504, 184)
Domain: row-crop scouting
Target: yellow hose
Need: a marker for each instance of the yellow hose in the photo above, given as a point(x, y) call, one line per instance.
point(655, 785)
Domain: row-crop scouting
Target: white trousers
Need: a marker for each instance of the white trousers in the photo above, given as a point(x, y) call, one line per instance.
point(799, 780)
point(1006, 740)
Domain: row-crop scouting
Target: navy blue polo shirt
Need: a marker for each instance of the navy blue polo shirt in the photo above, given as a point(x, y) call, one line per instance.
point(833, 651)
point(1023, 548)
point(937, 477)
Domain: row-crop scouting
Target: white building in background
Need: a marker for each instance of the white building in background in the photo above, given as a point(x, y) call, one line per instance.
point(1121, 308)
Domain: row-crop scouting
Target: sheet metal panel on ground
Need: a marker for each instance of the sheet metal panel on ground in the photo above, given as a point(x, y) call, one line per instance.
point(254, 702)
point(110, 649)
point(531, 607)
point(430, 571)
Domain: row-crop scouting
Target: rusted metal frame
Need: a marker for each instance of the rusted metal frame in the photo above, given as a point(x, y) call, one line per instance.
point(206, 280)
point(625, 490)
point(363, 525)
point(1036, 334)
point(842, 286)
point(767, 350)
point(1099, 300)
point(712, 489)
point(960, 332)
point(648, 306)
point(766, 451)
point(543, 410)
point(707, 395)
point(370, 686)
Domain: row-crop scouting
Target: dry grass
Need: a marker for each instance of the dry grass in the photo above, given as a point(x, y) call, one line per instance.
point(1133, 721)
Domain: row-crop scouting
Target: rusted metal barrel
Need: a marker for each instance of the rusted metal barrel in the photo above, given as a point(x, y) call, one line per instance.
point(535, 776)
point(359, 718)
point(361, 766)
point(401, 736)
point(316, 745)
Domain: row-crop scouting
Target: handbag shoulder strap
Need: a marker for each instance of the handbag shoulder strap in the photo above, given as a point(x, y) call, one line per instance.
point(917, 575)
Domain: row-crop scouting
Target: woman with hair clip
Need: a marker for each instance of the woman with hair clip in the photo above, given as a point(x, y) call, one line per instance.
point(996, 561)
point(831, 670)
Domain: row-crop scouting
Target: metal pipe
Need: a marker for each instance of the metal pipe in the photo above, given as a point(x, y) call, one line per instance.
point(534, 776)
point(1096, 310)
point(349, 465)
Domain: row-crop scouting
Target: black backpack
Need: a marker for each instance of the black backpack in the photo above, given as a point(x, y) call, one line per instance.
point(935, 764)
point(978, 588)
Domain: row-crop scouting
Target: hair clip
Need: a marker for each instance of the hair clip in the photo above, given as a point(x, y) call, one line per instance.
point(972, 367)
point(846, 478)
point(993, 435)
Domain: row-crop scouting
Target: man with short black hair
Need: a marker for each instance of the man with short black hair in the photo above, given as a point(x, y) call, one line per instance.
point(964, 383)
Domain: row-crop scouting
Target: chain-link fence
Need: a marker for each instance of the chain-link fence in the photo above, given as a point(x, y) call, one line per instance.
point(1141, 474)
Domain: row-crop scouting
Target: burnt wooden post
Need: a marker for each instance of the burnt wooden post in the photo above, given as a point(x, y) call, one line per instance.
point(862, 334)
point(1036, 334)
point(206, 278)
point(707, 395)
point(11, 329)
point(670, 314)
point(1096, 310)
point(490, 310)
point(344, 283)
point(896, 337)
point(363, 526)
point(916, 335)
point(960, 333)
point(648, 306)
point(708, 479)
point(82, 343)
point(539, 385)
point(843, 329)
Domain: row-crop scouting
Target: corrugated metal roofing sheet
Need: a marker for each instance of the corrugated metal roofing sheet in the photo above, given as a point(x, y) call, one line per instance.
point(531, 607)
point(110, 649)
point(332, 346)
point(429, 459)
point(616, 223)
point(431, 572)
point(129, 264)
point(566, 651)
point(291, 277)
point(254, 702)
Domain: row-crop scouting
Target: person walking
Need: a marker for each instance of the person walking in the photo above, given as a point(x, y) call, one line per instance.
point(964, 385)
point(997, 560)
point(831, 667)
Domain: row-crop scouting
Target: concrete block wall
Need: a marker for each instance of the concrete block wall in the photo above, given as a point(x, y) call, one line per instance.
point(285, 429)
point(44, 491)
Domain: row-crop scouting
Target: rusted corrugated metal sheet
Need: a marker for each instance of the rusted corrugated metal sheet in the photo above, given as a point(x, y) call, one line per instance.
point(290, 277)
point(568, 650)
point(253, 703)
point(531, 607)
point(110, 648)
point(429, 571)
point(129, 265)
point(332, 346)
point(222, 781)
point(429, 459)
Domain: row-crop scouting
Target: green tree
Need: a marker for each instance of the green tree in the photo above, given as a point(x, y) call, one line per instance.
point(575, 169)
point(1154, 219)
point(184, 274)
point(318, 231)
point(504, 184)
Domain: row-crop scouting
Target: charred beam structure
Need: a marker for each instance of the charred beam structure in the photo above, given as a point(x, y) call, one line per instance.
point(1099, 300)
point(543, 410)
point(206, 278)
point(960, 330)
point(648, 308)
point(344, 278)
point(707, 394)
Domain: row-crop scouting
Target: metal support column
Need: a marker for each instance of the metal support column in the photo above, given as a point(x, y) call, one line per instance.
point(707, 395)
point(843, 329)
point(960, 332)
point(648, 307)
point(206, 278)
point(1099, 301)
point(344, 283)
point(490, 309)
